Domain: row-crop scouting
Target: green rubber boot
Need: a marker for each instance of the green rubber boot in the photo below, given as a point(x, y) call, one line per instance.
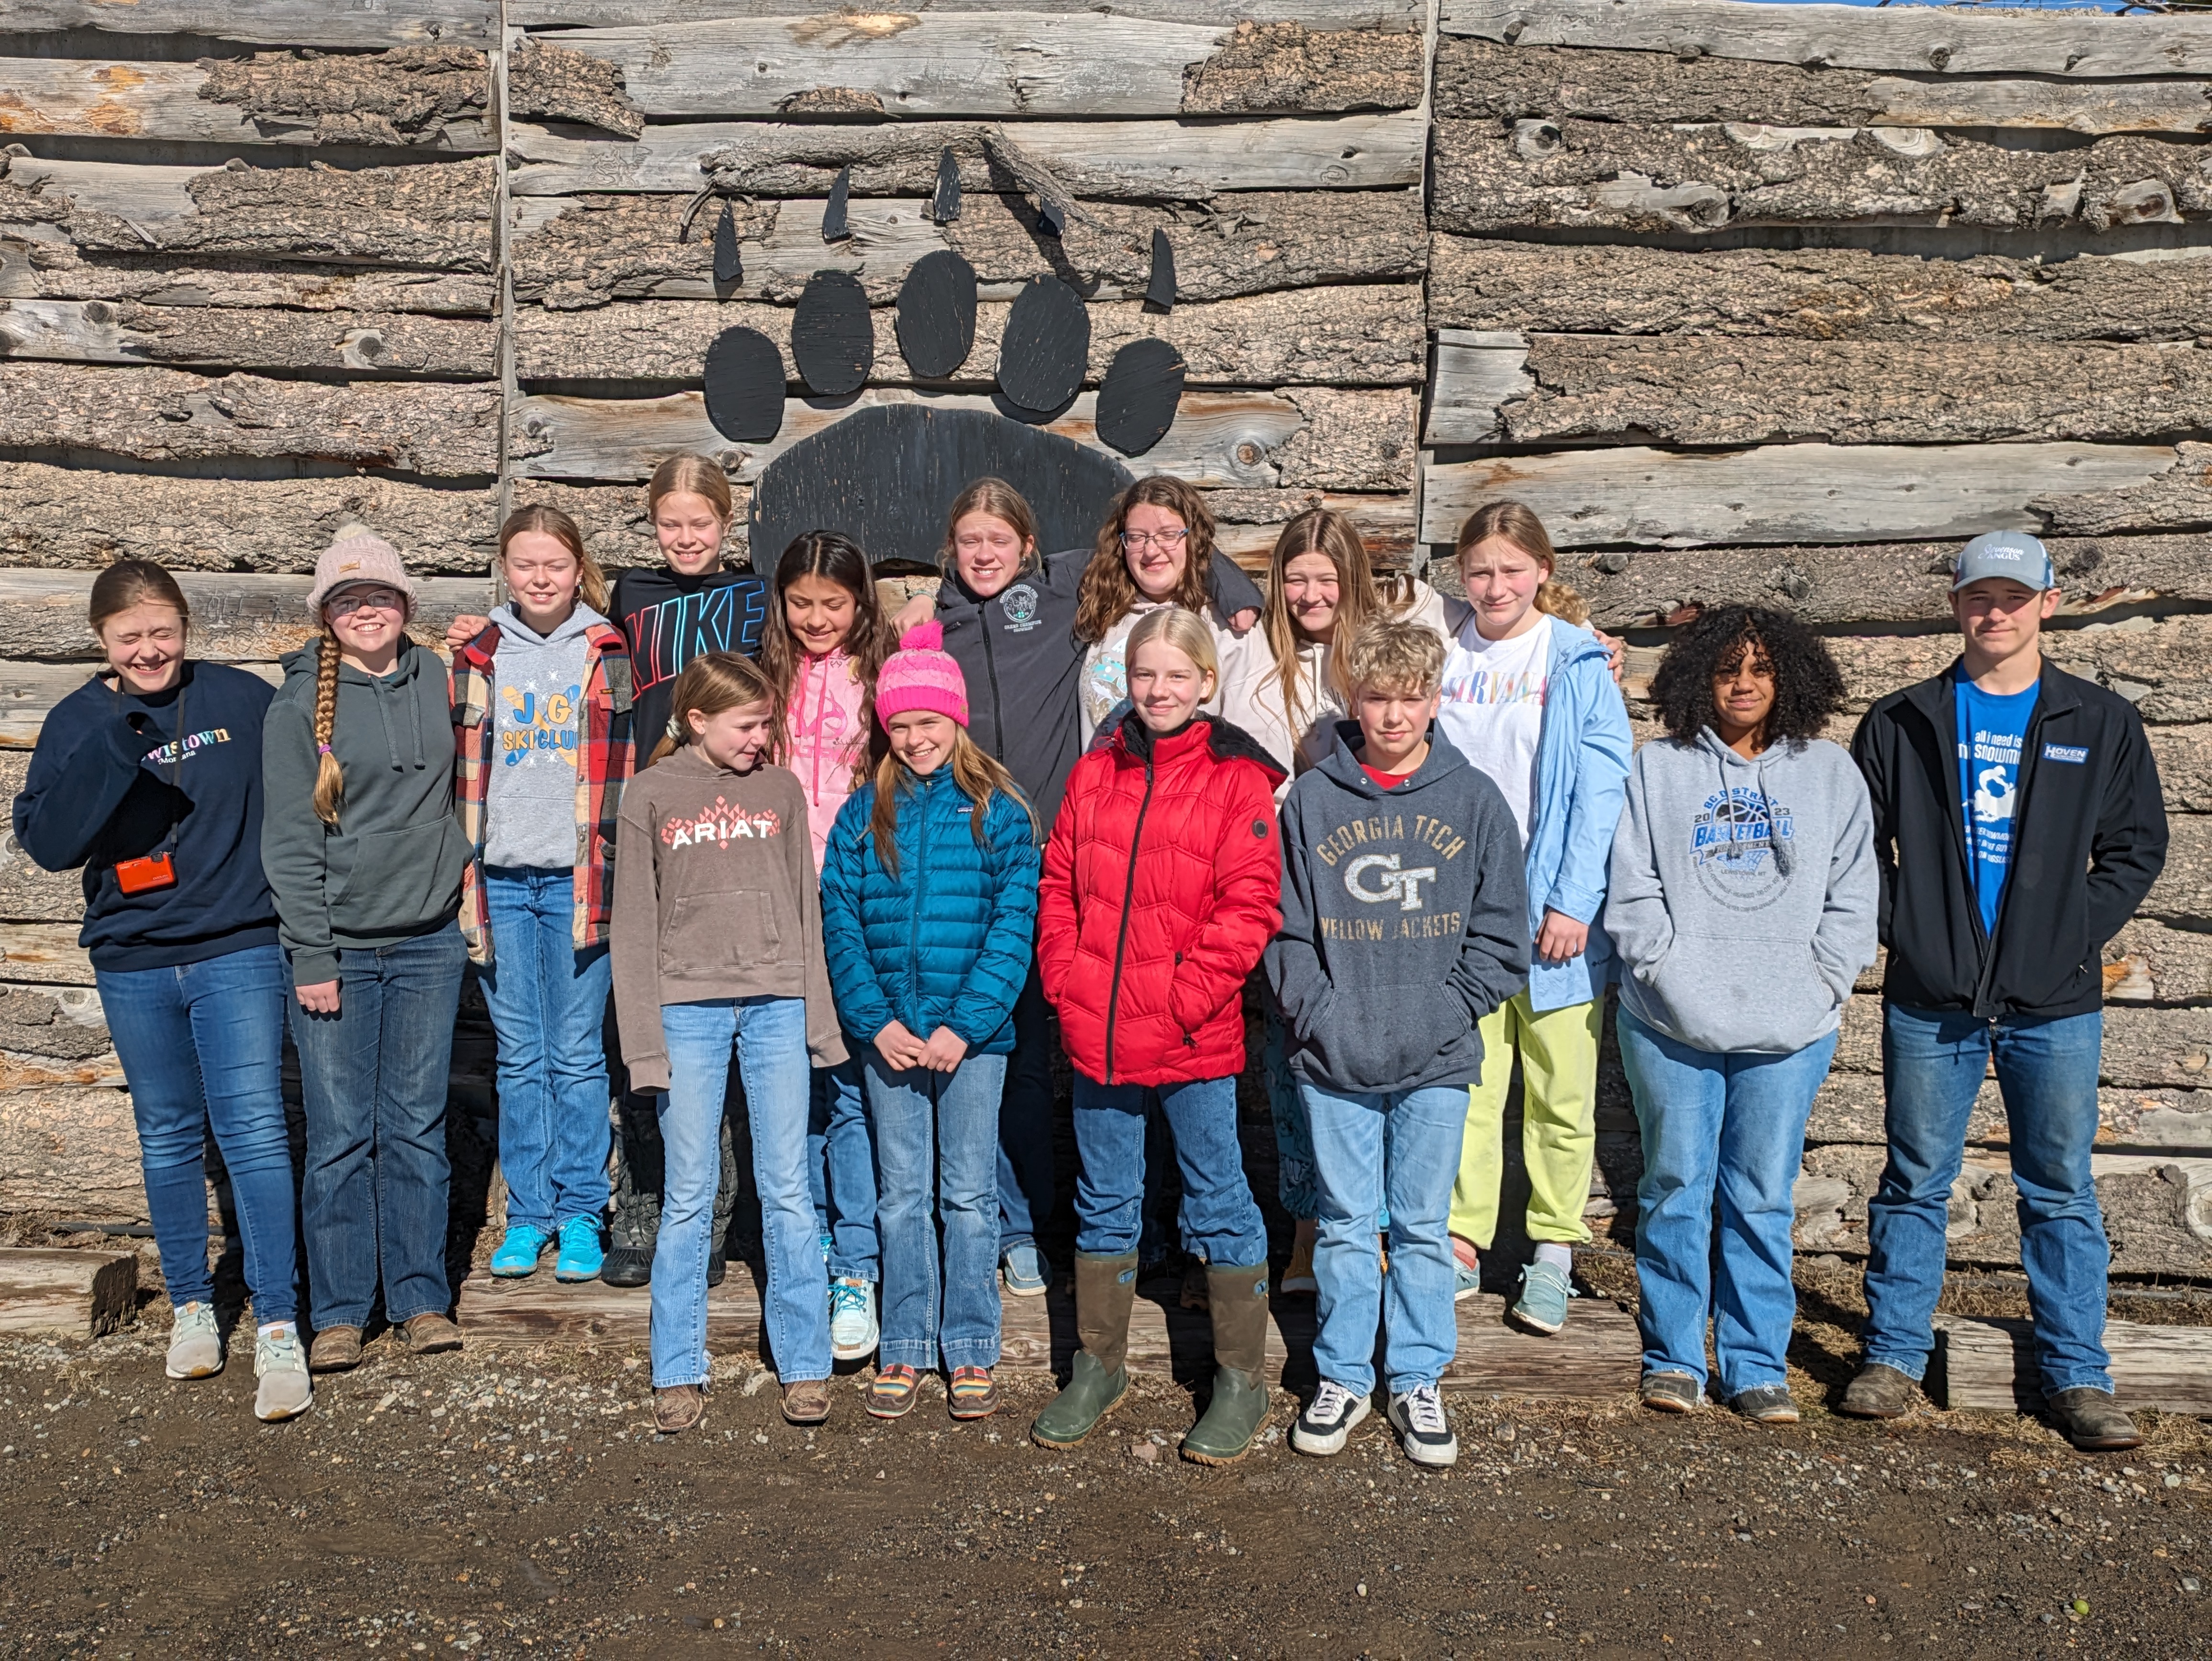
point(1105, 1288)
point(1239, 1407)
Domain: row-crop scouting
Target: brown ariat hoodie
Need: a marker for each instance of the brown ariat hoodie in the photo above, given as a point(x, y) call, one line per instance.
point(715, 896)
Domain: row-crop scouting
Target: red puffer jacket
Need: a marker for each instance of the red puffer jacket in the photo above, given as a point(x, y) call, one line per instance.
point(1159, 891)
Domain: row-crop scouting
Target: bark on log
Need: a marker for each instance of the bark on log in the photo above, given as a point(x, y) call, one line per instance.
point(26, 893)
point(2014, 40)
point(235, 619)
point(168, 415)
point(105, 331)
point(1573, 175)
point(1247, 523)
point(1783, 493)
point(2145, 1048)
point(549, 82)
point(77, 1295)
point(616, 529)
point(1820, 294)
point(2183, 893)
point(272, 22)
point(1264, 67)
point(44, 954)
point(408, 95)
point(102, 98)
point(56, 270)
point(1370, 335)
point(1849, 1109)
point(72, 518)
point(1481, 78)
point(1350, 441)
point(1406, 16)
point(73, 1149)
point(2152, 962)
point(592, 249)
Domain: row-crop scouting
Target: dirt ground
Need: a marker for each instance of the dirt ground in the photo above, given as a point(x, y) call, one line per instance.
point(518, 1502)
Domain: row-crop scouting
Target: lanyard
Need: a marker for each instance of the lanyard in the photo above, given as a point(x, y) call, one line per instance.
point(177, 760)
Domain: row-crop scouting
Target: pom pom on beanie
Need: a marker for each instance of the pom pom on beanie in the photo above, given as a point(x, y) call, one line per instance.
point(921, 675)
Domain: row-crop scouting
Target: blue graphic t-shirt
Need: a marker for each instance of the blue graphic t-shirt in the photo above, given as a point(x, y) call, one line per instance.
point(1992, 731)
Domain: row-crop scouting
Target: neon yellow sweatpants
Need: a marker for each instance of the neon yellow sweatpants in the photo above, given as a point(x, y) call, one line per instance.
point(1558, 1121)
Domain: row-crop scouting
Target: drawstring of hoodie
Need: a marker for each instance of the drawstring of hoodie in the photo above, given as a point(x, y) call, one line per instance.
point(1785, 857)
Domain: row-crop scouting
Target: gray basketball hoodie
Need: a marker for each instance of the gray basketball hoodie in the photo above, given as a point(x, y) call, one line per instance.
point(1405, 920)
point(1741, 903)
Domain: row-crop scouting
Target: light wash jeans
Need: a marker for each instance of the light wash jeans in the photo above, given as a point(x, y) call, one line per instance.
point(840, 1170)
point(770, 1036)
point(548, 1003)
point(201, 1046)
point(1402, 1146)
point(938, 1133)
point(1726, 1130)
point(1220, 1221)
point(1933, 1063)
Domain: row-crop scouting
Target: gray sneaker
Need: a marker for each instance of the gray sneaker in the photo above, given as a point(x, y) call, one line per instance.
point(195, 1343)
point(280, 1362)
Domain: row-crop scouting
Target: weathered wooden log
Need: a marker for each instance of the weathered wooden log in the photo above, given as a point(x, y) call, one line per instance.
point(2184, 767)
point(1247, 523)
point(169, 415)
point(56, 270)
point(2152, 962)
point(44, 954)
point(1849, 1109)
point(1147, 161)
point(1368, 335)
point(1708, 391)
point(613, 519)
point(1321, 437)
point(1404, 15)
point(1820, 294)
point(408, 95)
point(1482, 78)
point(109, 332)
point(272, 22)
point(78, 1294)
point(1541, 174)
point(100, 98)
point(2145, 1048)
point(934, 63)
point(2177, 498)
point(1976, 42)
point(26, 893)
point(549, 82)
point(1990, 1364)
point(2183, 893)
point(1816, 492)
point(72, 1148)
point(67, 518)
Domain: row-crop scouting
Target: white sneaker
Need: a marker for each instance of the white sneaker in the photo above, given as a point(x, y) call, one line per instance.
point(280, 1362)
point(1328, 1419)
point(195, 1343)
point(1418, 1416)
point(853, 1330)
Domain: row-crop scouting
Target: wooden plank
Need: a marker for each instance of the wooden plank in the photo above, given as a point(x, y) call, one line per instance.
point(2144, 1048)
point(29, 689)
point(1820, 294)
point(1484, 78)
point(60, 271)
point(1815, 493)
point(2152, 962)
point(75, 1294)
point(1545, 174)
point(1247, 523)
point(1143, 160)
point(1407, 15)
point(1990, 1364)
point(272, 22)
point(44, 954)
point(1954, 40)
point(72, 1149)
point(2183, 893)
point(2178, 498)
point(1706, 391)
point(105, 331)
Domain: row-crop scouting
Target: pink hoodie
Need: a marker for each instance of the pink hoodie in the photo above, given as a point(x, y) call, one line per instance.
point(827, 736)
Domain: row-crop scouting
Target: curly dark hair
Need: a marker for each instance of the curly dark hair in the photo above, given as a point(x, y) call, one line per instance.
point(1808, 687)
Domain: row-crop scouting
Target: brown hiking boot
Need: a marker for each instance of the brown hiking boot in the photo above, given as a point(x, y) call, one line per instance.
point(2092, 1421)
point(336, 1349)
point(678, 1408)
point(806, 1402)
point(1878, 1392)
point(1238, 1299)
point(432, 1334)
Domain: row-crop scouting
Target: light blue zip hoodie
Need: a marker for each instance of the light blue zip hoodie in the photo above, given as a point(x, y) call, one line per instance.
point(1583, 751)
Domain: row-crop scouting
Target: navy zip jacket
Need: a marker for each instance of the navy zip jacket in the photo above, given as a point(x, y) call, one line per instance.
point(2088, 841)
point(98, 792)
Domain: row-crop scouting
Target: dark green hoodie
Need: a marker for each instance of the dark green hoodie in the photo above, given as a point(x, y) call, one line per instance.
point(391, 868)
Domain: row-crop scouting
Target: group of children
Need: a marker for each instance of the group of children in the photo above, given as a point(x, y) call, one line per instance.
point(865, 856)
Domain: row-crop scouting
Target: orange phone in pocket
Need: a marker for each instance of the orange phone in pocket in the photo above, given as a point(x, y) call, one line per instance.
point(143, 876)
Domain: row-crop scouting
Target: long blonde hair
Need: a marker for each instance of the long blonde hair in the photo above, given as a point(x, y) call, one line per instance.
point(330, 777)
point(976, 772)
point(591, 580)
point(709, 685)
point(1107, 593)
point(1360, 599)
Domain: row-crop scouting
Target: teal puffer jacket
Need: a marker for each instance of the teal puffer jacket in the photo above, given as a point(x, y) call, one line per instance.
point(946, 941)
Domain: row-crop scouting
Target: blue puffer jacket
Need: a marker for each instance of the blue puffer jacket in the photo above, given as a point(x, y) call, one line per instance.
point(946, 941)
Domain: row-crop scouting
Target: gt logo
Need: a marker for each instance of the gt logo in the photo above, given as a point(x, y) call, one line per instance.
point(1403, 886)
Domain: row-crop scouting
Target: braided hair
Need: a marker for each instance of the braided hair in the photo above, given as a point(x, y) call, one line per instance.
point(330, 777)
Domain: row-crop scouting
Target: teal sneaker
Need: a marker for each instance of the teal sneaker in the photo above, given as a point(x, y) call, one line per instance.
point(1466, 1282)
point(853, 1330)
point(1542, 1305)
point(580, 1258)
point(518, 1252)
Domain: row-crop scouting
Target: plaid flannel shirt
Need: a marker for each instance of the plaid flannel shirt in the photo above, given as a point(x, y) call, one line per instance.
point(603, 767)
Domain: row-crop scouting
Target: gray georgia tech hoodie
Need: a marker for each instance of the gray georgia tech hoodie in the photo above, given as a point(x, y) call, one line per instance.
point(1742, 897)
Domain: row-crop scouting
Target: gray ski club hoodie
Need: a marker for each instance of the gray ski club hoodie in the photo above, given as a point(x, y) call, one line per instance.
point(1405, 920)
point(537, 706)
point(1743, 892)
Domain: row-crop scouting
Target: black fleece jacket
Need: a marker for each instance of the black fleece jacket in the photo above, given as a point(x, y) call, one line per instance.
point(2089, 839)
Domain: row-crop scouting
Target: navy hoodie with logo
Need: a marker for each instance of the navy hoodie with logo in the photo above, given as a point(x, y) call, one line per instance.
point(1405, 920)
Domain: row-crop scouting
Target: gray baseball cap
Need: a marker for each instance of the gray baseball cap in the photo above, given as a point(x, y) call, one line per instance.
point(2012, 553)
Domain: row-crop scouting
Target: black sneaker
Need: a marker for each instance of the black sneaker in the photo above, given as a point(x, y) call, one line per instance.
point(1418, 1416)
point(1328, 1419)
point(627, 1265)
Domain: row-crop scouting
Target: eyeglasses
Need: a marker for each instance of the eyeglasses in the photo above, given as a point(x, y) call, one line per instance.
point(374, 599)
point(1166, 541)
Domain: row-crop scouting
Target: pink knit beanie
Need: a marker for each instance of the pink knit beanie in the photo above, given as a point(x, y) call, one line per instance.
point(921, 675)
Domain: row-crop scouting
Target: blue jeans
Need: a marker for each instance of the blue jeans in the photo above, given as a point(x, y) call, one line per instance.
point(374, 1077)
point(1934, 1063)
point(770, 1036)
point(1728, 1129)
point(1027, 1188)
point(1220, 1222)
point(548, 1002)
point(1402, 1146)
point(1296, 1183)
point(840, 1170)
point(201, 1046)
point(959, 1113)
